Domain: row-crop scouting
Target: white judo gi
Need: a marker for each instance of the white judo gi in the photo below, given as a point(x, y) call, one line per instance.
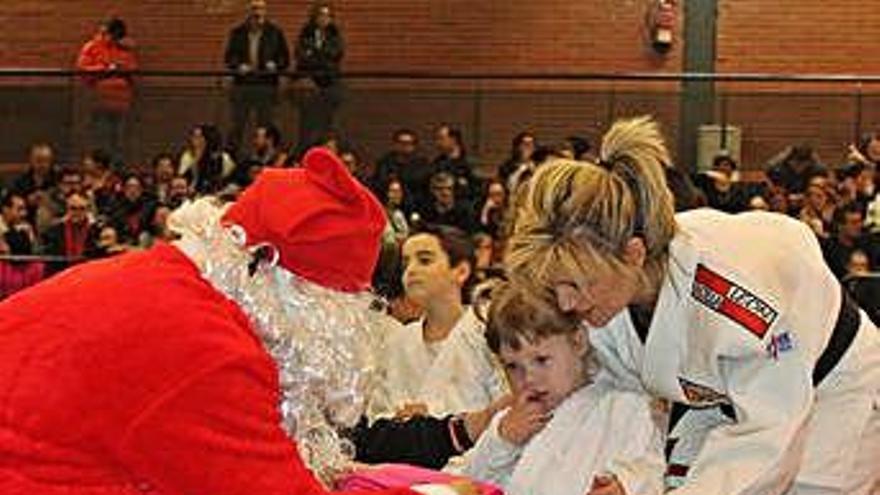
point(594, 425)
point(455, 375)
point(747, 308)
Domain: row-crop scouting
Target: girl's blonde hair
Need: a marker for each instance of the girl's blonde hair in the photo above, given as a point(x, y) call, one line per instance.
point(577, 217)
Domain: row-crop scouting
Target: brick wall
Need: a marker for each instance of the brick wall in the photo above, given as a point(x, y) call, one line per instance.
point(800, 36)
point(460, 36)
point(452, 36)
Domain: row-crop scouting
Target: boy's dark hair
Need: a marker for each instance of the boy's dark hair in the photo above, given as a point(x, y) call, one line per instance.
point(458, 245)
point(459, 248)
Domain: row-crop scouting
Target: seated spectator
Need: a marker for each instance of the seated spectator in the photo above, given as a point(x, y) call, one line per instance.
point(405, 164)
point(41, 172)
point(13, 215)
point(686, 195)
point(859, 265)
point(838, 249)
point(575, 148)
point(203, 162)
point(16, 275)
point(70, 181)
point(792, 170)
point(777, 199)
point(364, 171)
point(266, 149)
point(131, 214)
point(179, 191)
point(452, 159)
point(101, 184)
point(440, 364)
point(494, 208)
point(521, 150)
point(485, 257)
point(394, 201)
point(158, 230)
point(818, 210)
point(69, 237)
point(105, 243)
point(866, 151)
point(37, 182)
point(566, 423)
point(163, 172)
point(863, 284)
point(446, 208)
point(872, 215)
point(721, 186)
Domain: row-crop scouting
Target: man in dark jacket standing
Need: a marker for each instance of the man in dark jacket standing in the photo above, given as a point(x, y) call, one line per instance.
point(319, 51)
point(257, 53)
point(319, 47)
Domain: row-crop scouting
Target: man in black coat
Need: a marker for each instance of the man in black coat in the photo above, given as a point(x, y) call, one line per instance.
point(320, 47)
point(257, 53)
point(319, 52)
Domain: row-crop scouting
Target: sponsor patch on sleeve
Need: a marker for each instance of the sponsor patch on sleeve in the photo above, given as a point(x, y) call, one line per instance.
point(733, 301)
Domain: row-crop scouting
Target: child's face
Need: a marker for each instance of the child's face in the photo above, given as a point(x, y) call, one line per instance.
point(427, 275)
point(547, 370)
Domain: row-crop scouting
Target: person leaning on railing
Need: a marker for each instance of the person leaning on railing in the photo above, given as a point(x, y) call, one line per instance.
point(257, 53)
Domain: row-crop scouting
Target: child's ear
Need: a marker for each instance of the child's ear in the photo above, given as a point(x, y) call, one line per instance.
point(462, 272)
point(580, 342)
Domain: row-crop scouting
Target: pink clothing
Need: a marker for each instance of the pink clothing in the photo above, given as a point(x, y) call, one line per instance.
point(17, 276)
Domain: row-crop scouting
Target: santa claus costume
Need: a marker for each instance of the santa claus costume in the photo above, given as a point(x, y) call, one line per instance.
point(218, 365)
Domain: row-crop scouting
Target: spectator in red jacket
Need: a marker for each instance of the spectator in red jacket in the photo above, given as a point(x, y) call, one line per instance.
point(107, 58)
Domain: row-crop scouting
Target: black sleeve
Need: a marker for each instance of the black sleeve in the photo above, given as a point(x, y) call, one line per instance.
point(774, 173)
point(283, 52)
point(335, 47)
point(303, 51)
point(420, 441)
point(53, 241)
point(233, 56)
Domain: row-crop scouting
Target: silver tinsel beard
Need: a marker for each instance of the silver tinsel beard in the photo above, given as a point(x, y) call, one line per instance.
point(323, 341)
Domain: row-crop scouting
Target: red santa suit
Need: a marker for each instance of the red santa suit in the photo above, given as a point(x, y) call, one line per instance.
point(152, 372)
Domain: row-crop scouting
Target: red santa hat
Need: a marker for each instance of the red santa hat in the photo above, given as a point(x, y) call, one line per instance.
point(325, 225)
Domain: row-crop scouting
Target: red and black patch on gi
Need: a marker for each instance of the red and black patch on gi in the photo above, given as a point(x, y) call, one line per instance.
point(733, 301)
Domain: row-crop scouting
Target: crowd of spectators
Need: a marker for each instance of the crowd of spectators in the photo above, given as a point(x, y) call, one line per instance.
point(96, 208)
point(99, 206)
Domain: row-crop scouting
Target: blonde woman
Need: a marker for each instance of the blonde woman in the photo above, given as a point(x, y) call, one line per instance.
point(730, 313)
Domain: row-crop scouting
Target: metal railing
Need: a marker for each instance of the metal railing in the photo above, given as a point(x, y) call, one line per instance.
point(769, 110)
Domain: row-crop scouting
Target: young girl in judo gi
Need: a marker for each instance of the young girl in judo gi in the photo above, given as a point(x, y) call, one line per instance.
point(737, 313)
point(567, 422)
point(440, 364)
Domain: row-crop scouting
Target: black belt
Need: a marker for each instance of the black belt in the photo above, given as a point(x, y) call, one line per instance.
point(845, 330)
